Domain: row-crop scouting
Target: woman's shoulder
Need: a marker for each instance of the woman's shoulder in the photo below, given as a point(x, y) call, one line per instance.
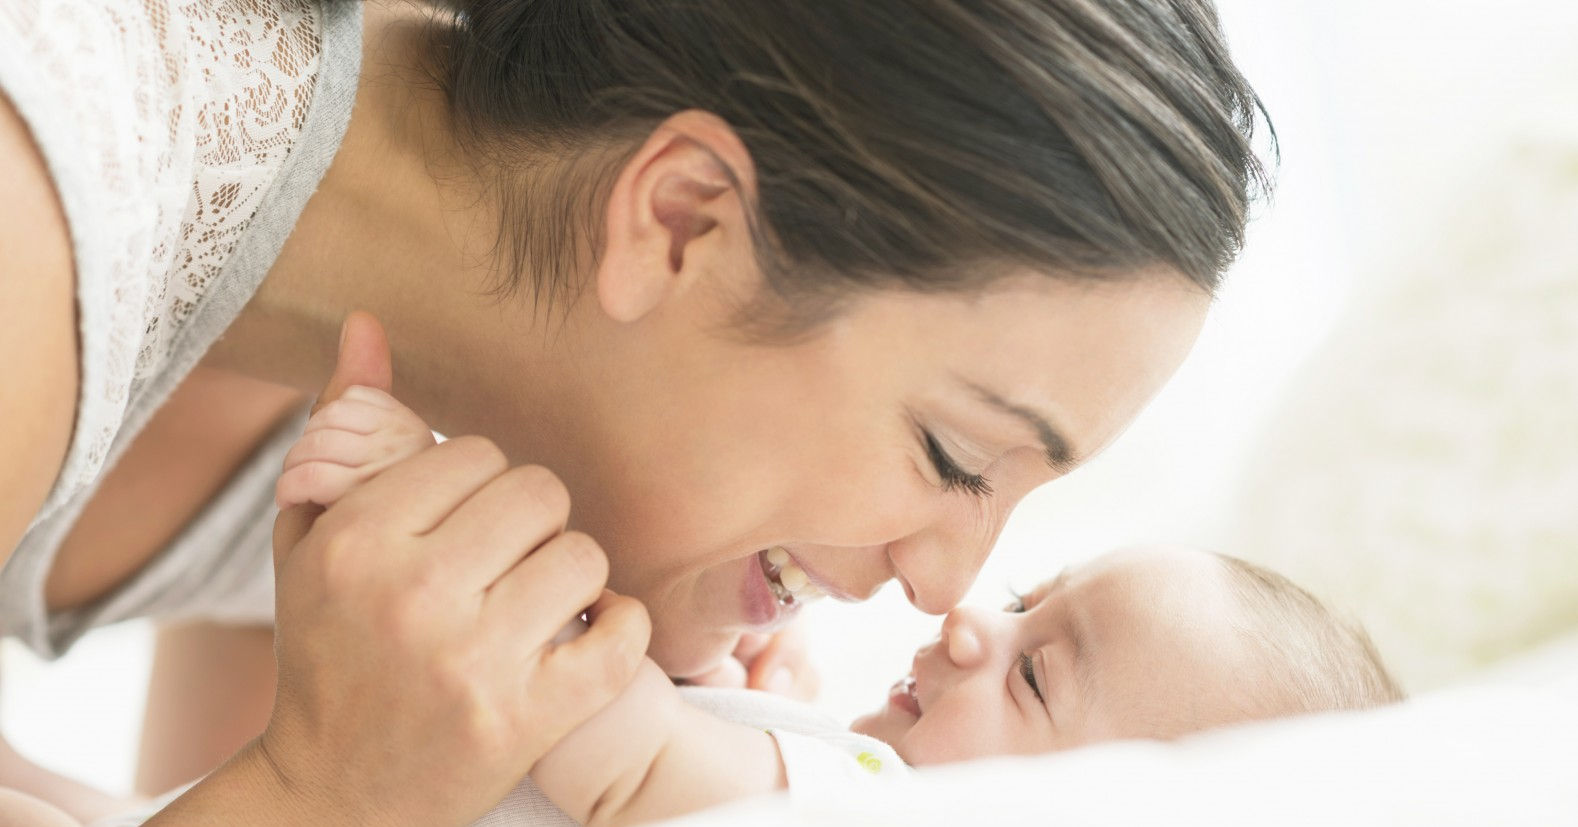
point(164, 128)
point(37, 336)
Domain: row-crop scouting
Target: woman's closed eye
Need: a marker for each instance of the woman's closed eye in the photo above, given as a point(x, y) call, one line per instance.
point(953, 477)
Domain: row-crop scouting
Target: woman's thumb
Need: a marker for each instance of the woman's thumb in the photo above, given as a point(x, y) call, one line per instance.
point(363, 358)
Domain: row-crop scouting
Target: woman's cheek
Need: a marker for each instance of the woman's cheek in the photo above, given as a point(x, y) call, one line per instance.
point(866, 510)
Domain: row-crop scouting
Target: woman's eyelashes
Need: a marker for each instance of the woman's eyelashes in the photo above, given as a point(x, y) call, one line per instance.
point(953, 477)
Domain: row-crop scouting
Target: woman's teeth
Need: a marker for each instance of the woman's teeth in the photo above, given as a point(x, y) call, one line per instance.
point(793, 578)
point(787, 581)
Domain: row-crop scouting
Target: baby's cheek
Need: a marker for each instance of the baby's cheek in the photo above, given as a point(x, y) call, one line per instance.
point(941, 738)
point(885, 726)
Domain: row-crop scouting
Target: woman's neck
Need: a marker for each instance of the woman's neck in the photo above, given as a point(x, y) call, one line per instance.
point(398, 228)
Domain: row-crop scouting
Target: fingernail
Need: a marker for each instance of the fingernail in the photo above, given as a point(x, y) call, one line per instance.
point(344, 325)
point(780, 682)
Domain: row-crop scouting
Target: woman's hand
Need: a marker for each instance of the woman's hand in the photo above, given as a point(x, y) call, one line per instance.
point(779, 663)
point(417, 680)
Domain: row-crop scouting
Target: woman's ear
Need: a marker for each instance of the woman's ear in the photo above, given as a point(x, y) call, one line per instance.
point(673, 213)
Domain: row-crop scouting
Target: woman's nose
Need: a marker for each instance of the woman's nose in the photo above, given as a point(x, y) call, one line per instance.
point(937, 564)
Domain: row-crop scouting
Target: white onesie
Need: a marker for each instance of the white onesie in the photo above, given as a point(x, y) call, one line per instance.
point(820, 758)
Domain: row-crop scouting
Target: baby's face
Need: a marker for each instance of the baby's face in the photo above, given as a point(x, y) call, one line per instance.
point(1134, 644)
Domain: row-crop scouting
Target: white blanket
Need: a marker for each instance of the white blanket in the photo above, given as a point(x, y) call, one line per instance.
point(1476, 756)
point(1498, 754)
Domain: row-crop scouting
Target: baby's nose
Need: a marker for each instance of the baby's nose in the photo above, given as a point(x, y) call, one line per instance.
point(962, 638)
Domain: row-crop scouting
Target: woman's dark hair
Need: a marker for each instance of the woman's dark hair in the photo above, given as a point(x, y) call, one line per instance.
point(927, 144)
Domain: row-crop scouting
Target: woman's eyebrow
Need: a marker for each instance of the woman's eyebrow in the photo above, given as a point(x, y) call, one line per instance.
point(1058, 453)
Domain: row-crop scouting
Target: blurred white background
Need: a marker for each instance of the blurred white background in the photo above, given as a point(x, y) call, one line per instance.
point(1386, 111)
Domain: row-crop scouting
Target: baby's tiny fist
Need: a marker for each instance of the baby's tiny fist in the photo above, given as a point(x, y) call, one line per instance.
point(346, 443)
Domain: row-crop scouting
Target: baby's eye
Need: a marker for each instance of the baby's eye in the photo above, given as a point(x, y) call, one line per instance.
point(1017, 604)
point(1027, 670)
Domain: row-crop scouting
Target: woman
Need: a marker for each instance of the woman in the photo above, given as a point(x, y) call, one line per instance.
point(844, 279)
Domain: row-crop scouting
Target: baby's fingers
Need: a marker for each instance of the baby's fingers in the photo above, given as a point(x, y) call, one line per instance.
point(356, 415)
point(318, 482)
point(336, 447)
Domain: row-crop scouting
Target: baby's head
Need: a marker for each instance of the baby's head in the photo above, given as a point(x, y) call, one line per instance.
point(1141, 643)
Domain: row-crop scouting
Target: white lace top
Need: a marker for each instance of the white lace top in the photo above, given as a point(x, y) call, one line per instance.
point(183, 138)
point(163, 123)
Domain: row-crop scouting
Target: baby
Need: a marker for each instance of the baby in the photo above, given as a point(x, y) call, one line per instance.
point(1143, 643)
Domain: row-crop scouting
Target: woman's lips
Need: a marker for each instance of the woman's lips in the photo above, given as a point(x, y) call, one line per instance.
point(824, 586)
point(820, 584)
point(763, 612)
point(768, 605)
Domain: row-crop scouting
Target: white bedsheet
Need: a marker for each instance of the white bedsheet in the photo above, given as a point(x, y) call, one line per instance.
point(1503, 752)
point(1486, 755)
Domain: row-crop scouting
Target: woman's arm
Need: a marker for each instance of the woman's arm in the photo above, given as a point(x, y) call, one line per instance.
point(210, 693)
point(18, 809)
point(29, 783)
point(38, 338)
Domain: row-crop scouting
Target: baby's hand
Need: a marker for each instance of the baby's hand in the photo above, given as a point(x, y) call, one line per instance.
point(346, 443)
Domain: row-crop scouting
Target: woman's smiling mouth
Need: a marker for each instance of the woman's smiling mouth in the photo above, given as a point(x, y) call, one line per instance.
point(787, 581)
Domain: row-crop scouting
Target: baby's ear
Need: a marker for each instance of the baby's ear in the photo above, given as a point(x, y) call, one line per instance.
point(363, 358)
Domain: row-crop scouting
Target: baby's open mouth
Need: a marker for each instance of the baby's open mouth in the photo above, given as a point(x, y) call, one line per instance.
point(788, 582)
point(903, 696)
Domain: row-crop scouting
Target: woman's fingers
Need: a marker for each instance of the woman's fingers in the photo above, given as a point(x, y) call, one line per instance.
point(416, 631)
point(583, 675)
point(545, 589)
point(491, 531)
point(418, 618)
point(415, 495)
point(362, 359)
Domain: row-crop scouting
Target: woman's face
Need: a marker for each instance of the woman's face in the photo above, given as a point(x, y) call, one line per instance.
point(890, 445)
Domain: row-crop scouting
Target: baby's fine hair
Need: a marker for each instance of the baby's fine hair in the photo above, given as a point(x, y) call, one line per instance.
point(1310, 660)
